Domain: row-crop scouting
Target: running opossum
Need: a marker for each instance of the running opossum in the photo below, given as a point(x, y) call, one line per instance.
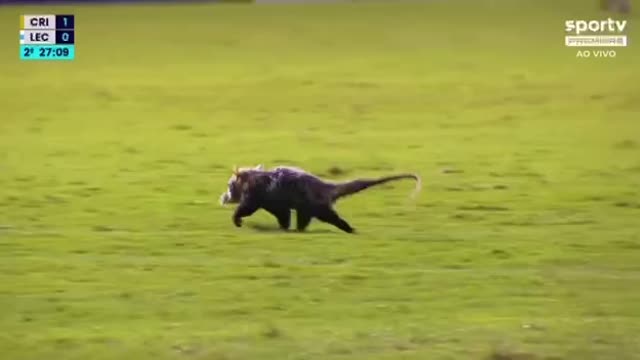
point(284, 188)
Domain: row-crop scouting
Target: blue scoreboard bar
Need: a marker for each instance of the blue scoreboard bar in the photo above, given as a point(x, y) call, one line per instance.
point(47, 37)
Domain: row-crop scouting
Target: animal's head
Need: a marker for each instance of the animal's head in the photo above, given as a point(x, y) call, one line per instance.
point(237, 183)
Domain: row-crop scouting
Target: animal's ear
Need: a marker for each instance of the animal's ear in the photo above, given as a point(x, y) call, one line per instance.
point(259, 167)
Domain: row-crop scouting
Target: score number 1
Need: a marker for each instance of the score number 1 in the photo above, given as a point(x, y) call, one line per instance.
point(65, 22)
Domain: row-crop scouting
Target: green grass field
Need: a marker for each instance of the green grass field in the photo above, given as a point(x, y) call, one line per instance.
point(524, 243)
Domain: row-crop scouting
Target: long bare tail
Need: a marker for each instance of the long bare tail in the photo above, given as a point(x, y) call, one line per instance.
point(355, 186)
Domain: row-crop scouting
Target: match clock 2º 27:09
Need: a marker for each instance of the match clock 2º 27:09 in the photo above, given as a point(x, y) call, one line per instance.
point(51, 52)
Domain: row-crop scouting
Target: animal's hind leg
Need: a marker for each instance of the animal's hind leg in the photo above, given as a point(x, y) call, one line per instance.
point(303, 218)
point(330, 216)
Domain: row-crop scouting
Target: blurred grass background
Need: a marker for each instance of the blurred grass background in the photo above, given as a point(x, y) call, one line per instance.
point(523, 244)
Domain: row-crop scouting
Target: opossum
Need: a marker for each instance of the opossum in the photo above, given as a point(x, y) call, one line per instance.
point(284, 188)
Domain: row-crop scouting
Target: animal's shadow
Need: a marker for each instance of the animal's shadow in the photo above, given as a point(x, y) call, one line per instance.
point(273, 229)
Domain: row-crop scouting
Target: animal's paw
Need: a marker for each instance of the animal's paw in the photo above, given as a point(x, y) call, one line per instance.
point(237, 221)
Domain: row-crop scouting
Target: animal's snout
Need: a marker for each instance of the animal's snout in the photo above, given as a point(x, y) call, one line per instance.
point(224, 198)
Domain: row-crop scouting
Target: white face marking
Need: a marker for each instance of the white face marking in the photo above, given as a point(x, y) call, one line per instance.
point(227, 196)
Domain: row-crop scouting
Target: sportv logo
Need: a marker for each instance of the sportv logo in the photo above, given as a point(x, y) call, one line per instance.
point(614, 29)
point(609, 25)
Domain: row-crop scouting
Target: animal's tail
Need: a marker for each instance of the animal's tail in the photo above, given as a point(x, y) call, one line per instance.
point(355, 186)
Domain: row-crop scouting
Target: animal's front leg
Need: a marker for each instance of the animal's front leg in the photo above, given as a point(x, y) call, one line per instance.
point(303, 219)
point(283, 215)
point(246, 208)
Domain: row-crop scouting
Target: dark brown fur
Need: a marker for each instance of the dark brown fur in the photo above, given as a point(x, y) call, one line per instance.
point(282, 189)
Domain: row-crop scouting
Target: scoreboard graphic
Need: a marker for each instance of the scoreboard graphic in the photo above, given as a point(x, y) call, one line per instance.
point(47, 37)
